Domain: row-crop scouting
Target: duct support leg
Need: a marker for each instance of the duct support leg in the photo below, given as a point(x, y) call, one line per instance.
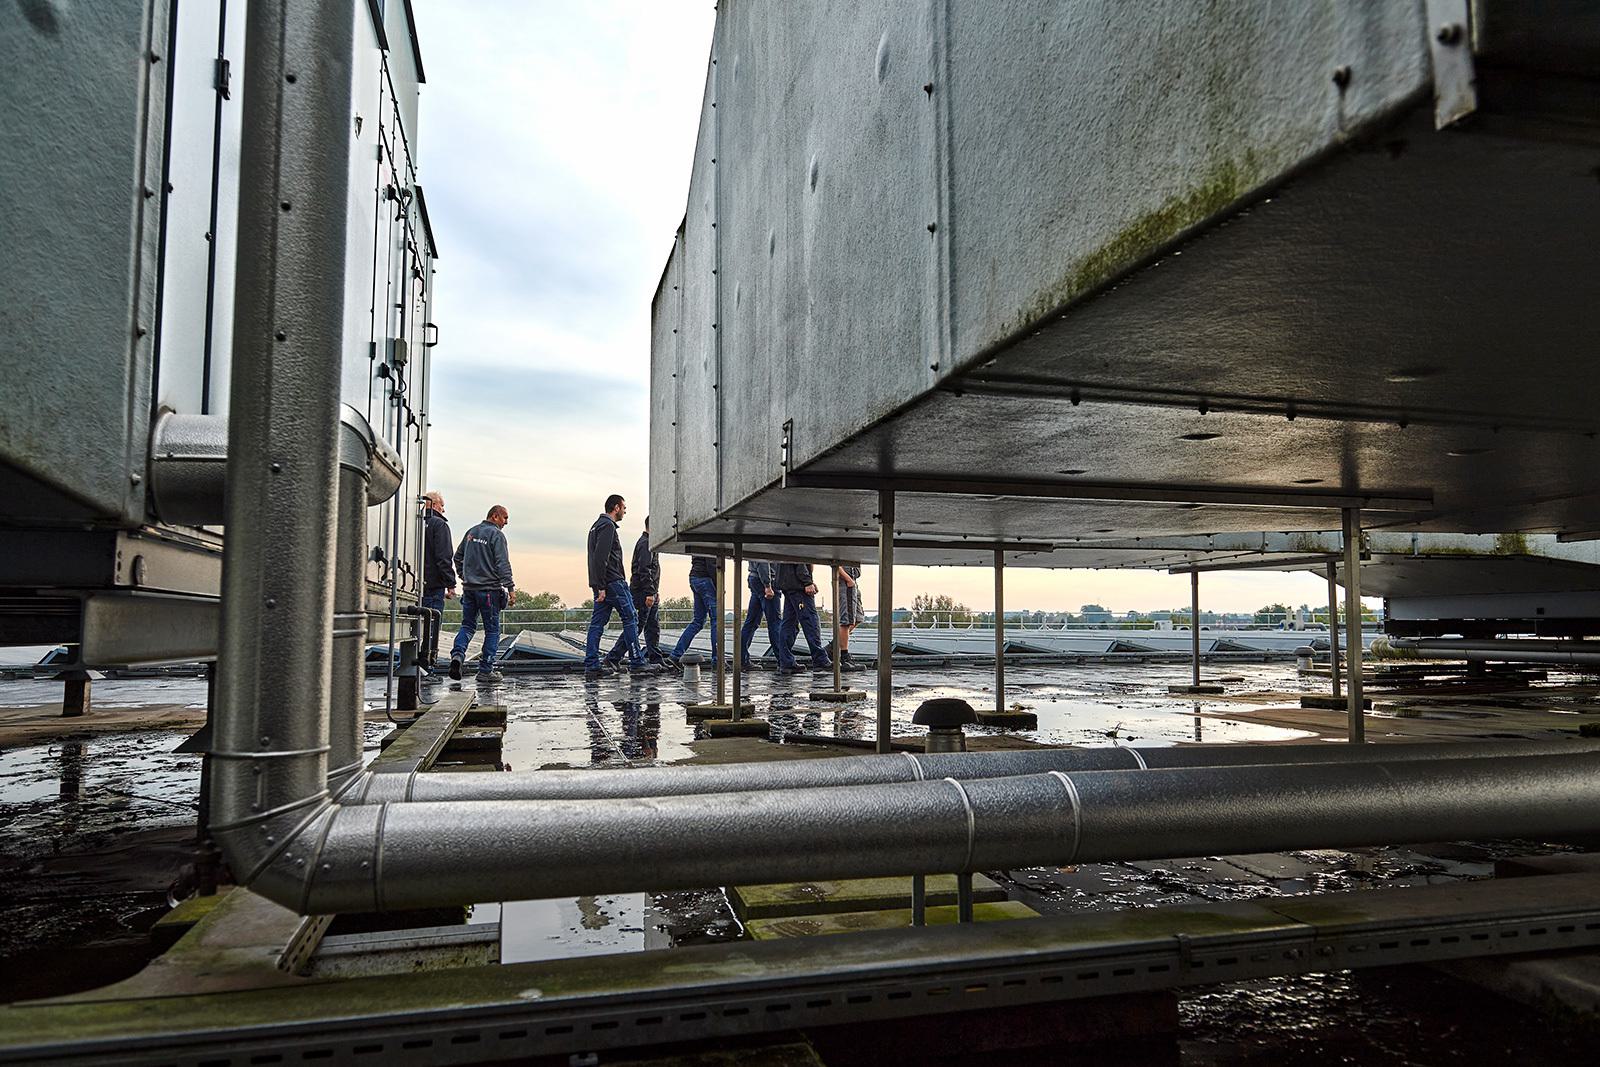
point(1333, 625)
point(737, 652)
point(716, 634)
point(919, 900)
point(999, 630)
point(964, 897)
point(1352, 622)
point(75, 695)
point(1194, 625)
point(838, 634)
point(885, 616)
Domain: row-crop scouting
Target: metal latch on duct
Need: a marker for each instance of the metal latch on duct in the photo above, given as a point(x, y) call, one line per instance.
point(399, 351)
point(1455, 93)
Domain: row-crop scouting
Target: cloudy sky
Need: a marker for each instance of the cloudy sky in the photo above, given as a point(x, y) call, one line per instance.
point(555, 140)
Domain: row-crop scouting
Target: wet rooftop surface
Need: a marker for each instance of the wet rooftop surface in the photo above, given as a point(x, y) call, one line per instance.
point(94, 825)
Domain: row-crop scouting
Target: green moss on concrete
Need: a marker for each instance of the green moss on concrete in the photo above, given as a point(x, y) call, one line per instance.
point(780, 899)
point(1511, 544)
point(850, 922)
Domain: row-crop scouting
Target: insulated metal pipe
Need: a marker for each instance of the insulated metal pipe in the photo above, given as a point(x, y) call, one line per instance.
point(905, 767)
point(1509, 650)
point(448, 853)
point(269, 777)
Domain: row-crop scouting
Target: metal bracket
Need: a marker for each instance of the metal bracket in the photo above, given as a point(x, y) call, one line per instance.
point(1455, 94)
point(786, 451)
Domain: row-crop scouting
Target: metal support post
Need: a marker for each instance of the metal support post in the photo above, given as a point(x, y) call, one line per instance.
point(999, 629)
point(1333, 624)
point(885, 615)
point(964, 897)
point(838, 632)
point(1194, 623)
point(716, 633)
point(1352, 622)
point(737, 652)
point(75, 697)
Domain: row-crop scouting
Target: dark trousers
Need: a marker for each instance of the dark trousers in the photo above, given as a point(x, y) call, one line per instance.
point(619, 600)
point(800, 614)
point(433, 604)
point(487, 603)
point(649, 629)
point(762, 606)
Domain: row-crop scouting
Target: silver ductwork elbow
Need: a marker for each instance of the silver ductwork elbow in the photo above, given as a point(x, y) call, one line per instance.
point(188, 468)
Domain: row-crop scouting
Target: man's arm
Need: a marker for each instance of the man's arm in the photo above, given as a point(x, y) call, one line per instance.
point(439, 549)
point(644, 575)
point(461, 548)
point(502, 565)
point(599, 552)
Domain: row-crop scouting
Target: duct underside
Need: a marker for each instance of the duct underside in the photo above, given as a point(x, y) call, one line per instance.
point(900, 767)
point(423, 854)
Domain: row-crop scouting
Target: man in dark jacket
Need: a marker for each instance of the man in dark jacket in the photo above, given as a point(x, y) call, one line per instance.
point(645, 588)
point(609, 583)
point(764, 604)
point(483, 563)
point(800, 612)
point(438, 576)
point(703, 585)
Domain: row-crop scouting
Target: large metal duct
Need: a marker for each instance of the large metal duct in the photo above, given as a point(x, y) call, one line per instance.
point(392, 856)
point(903, 767)
point(1508, 650)
point(369, 473)
point(271, 744)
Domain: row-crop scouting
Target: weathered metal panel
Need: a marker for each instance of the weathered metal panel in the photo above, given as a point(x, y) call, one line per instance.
point(1108, 130)
point(82, 107)
point(826, 223)
point(664, 323)
point(696, 430)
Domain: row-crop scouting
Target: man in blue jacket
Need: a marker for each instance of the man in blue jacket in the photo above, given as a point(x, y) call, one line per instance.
point(438, 576)
point(764, 603)
point(609, 583)
point(483, 564)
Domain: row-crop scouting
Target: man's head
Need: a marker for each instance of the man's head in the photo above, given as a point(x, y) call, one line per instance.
point(435, 500)
point(647, 524)
point(616, 507)
point(498, 515)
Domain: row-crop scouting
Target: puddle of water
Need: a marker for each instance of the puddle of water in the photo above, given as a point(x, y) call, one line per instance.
point(585, 926)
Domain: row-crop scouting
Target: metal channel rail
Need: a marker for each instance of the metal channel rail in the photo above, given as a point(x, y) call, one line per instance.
point(476, 1014)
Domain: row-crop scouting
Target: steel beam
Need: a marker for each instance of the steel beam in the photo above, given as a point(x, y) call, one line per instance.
point(999, 630)
point(1284, 563)
point(1238, 496)
point(1333, 623)
point(736, 654)
point(863, 541)
point(1194, 627)
point(716, 633)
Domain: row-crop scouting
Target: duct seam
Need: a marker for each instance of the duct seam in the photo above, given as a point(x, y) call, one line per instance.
point(315, 861)
point(1072, 799)
point(972, 823)
point(277, 844)
point(916, 766)
point(377, 858)
point(282, 754)
point(1143, 766)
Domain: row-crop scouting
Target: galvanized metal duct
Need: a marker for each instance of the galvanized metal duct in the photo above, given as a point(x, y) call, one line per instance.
point(273, 669)
point(1509, 650)
point(188, 468)
point(902, 767)
point(423, 854)
point(369, 473)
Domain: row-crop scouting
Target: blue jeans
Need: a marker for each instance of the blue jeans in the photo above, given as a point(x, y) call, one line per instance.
point(617, 599)
point(763, 605)
point(488, 603)
point(800, 613)
point(705, 608)
point(429, 655)
point(649, 630)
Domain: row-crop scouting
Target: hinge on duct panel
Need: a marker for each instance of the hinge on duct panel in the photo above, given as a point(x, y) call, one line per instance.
point(1455, 93)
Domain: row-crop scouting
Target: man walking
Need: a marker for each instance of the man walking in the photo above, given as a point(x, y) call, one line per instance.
point(609, 583)
point(645, 588)
point(703, 584)
point(483, 564)
point(438, 576)
point(851, 611)
point(800, 612)
point(764, 603)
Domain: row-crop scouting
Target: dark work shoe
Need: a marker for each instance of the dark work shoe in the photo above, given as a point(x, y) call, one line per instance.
point(643, 669)
point(490, 677)
point(455, 669)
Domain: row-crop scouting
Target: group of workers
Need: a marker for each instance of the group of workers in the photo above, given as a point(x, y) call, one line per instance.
point(482, 564)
